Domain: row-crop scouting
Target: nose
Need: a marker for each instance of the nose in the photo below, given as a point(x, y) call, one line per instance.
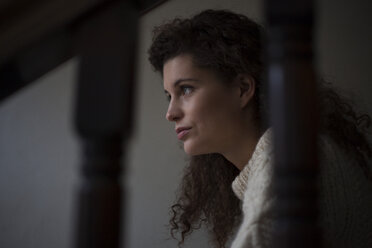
point(174, 112)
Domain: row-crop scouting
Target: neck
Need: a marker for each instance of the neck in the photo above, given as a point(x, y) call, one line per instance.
point(243, 147)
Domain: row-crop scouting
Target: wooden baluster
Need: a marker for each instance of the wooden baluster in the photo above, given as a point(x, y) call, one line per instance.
point(106, 43)
point(292, 88)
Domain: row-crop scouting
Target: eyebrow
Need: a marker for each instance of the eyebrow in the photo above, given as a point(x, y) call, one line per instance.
point(182, 80)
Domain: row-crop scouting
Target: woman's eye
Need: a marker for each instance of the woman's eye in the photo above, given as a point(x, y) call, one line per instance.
point(186, 90)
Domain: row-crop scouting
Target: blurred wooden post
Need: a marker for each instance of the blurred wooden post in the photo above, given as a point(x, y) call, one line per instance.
point(106, 49)
point(292, 90)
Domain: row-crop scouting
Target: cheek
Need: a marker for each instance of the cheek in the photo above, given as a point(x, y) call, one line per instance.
point(214, 114)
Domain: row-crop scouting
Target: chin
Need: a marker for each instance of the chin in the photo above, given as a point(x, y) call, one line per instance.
point(193, 149)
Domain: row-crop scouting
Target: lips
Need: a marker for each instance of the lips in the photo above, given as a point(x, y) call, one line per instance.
point(182, 132)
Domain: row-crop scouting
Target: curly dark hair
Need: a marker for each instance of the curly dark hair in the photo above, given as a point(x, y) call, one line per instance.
point(229, 44)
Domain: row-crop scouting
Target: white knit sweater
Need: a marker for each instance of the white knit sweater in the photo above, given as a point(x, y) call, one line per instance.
point(345, 198)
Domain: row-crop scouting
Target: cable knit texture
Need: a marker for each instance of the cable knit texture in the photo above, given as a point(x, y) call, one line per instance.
point(345, 198)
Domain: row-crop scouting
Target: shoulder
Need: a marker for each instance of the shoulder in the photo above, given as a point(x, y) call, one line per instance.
point(345, 197)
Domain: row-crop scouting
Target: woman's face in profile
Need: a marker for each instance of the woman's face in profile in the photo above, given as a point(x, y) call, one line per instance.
point(206, 112)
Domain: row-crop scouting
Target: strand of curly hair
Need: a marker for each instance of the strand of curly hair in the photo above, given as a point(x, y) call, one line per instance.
point(206, 197)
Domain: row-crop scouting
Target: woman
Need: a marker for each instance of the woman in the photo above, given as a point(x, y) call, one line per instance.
point(211, 67)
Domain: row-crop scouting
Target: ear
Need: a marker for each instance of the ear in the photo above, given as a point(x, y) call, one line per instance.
point(247, 88)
